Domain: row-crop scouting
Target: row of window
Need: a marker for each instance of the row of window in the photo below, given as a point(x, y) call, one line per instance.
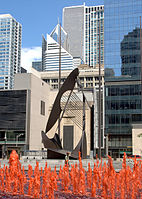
point(4, 63)
point(81, 79)
point(119, 141)
point(4, 33)
point(95, 58)
point(88, 85)
point(4, 56)
point(4, 49)
point(4, 46)
point(88, 10)
point(127, 90)
point(4, 42)
point(1, 59)
point(123, 105)
point(123, 119)
point(4, 29)
point(3, 73)
point(4, 68)
point(95, 15)
point(5, 26)
point(1, 53)
point(89, 82)
point(94, 63)
point(95, 47)
point(131, 58)
point(4, 21)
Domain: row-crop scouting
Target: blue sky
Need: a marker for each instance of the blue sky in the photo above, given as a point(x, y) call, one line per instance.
point(38, 17)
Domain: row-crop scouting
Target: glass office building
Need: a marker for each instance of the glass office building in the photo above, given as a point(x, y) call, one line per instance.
point(122, 57)
point(10, 50)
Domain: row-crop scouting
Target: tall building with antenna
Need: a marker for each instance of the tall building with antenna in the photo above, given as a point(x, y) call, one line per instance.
point(50, 51)
point(10, 50)
point(83, 25)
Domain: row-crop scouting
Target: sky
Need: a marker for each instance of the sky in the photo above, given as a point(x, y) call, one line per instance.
point(38, 17)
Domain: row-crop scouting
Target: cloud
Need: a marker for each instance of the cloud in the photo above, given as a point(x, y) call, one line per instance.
point(28, 55)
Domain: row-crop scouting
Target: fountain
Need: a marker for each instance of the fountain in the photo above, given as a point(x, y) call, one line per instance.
point(71, 181)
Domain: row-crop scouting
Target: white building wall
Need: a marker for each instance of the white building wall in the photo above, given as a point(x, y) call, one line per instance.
point(51, 57)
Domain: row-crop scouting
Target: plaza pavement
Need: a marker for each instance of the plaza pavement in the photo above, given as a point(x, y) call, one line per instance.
point(52, 163)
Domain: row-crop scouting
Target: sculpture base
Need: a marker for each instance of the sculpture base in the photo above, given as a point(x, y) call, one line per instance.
point(59, 154)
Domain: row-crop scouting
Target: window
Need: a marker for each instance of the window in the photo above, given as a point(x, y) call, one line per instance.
point(89, 78)
point(54, 80)
point(55, 86)
point(42, 108)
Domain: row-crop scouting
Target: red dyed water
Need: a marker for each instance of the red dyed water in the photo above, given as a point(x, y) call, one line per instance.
point(101, 182)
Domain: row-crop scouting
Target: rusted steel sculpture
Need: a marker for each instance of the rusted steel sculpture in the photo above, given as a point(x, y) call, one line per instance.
point(53, 145)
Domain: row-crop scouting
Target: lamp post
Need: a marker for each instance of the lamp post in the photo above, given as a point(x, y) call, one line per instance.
point(17, 136)
point(106, 145)
point(5, 139)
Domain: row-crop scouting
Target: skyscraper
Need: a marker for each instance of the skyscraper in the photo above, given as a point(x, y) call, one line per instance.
point(50, 52)
point(37, 65)
point(10, 50)
point(84, 25)
point(123, 100)
point(131, 62)
point(73, 24)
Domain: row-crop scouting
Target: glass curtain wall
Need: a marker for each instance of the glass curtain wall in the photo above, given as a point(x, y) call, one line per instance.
point(122, 58)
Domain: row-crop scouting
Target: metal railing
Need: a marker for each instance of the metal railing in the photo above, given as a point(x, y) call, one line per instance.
point(12, 140)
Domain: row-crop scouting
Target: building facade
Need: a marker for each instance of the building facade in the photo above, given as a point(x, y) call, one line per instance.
point(23, 114)
point(85, 30)
point(88, 77)
point(25, 111)
point(12, 118)
point(10, 50)
point(123, 73)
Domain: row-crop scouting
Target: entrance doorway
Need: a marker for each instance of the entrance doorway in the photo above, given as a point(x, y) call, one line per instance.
point(68, 132)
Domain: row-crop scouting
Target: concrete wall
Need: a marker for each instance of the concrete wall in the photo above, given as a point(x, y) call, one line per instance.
point(137, 139)
point(39, 91)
